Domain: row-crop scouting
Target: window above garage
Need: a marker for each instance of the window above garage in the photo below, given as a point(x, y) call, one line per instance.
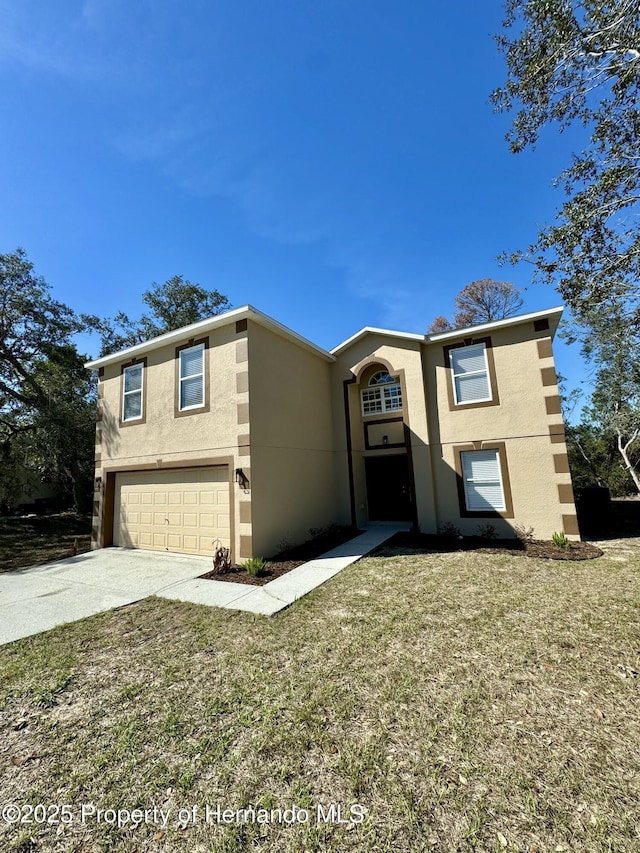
point(133, 393)
point(192, 391)
point(192, 377)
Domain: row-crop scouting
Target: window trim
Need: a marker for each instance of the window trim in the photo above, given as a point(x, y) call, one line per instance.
point(494, 400)
point(484, 372)
point(204, 406)
point(501, 449)
point(136, 362)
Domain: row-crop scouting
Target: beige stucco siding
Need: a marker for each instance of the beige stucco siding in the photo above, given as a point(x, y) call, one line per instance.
point(534, 490)
point(528, 410)
point(291, 440)
point(405, 359)
point(163, 434)
point(521, 410)
point(166, 440)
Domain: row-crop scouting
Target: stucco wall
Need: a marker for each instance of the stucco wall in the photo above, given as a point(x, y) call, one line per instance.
point(163, 434)
point(164, 439)
point(403, 358)
point(291, 440)
point(527, 420)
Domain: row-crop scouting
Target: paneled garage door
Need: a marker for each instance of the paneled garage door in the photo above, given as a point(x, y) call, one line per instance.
point(184, 510)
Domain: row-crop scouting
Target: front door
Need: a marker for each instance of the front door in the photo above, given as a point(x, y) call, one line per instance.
point(388, 492)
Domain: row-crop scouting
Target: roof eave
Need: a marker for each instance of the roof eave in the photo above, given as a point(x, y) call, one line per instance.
point(553, 314)
point(247, 312)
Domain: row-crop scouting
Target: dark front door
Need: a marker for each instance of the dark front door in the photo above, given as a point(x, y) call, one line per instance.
point(388, 491)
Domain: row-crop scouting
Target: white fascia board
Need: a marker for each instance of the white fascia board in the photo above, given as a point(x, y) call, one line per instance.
point(370, 330)
point(245, 312)
point(551, 313)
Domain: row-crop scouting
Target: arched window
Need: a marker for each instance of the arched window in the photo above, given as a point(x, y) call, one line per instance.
point(383, 394)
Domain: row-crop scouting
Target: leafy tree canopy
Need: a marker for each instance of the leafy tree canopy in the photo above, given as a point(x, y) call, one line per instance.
point(577, 62)
point(47, 398)
point(174, 304)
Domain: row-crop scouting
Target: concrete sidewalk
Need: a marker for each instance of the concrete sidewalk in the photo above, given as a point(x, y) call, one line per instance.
point(283, 591)
point(38, 599)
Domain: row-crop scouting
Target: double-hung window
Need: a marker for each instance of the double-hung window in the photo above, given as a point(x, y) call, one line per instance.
point(191, 392)
point(132, 388)
point(482, 479)
point(383, 395)
point(470, 369)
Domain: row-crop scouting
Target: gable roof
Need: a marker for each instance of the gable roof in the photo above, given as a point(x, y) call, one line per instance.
point(246, 312)
point(553, 314)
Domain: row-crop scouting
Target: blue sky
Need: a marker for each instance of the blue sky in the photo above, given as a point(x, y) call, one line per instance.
point(336, 164)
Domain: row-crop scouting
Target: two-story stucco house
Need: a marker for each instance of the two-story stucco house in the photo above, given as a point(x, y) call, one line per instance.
point(238, 431)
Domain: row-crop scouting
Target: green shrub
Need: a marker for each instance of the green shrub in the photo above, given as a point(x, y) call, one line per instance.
point(256, 566)
point(561, 540)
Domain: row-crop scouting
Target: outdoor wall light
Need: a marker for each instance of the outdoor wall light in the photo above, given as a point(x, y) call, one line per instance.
point(98, 480)
point(240, 477)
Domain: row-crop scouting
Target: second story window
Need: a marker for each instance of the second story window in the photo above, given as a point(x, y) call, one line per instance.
point(132, 381)
point(192, 377)
point(383, 394)
point(470, 374)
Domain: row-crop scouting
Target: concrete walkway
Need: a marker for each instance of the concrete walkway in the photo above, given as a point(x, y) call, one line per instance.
point(283, 591)
point(38, 599)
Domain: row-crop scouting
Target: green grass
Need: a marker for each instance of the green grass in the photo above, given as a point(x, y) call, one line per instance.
point(469, 702)
point(35, 540)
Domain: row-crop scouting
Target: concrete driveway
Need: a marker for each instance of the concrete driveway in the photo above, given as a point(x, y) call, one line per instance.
point(35, 600)
point(38, 599)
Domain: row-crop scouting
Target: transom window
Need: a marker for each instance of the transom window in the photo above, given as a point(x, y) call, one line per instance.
point(383, 394)
point(132, 379)
point(482, 479)
point(192, 377)
point(470, 374)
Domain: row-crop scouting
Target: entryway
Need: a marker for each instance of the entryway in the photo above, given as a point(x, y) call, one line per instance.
point(388, 491)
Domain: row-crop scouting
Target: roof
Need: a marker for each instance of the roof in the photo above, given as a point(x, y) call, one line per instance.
point(552, 314)
point(246, 312)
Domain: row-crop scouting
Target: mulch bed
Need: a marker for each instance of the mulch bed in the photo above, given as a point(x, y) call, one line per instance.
point(240, 575)
point(290, 559)
point(538, 548)
point(285, 562)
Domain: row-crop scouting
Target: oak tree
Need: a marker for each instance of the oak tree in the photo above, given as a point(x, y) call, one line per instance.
point(176, 303)
point(577, 63)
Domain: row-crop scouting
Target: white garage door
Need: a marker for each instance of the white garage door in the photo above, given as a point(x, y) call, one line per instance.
point(184, 510)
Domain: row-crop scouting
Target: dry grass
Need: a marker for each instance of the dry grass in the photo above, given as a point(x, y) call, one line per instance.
point(470, 702)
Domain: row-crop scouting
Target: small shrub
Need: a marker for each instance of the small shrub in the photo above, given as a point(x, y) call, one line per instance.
point(256, 566)
point(448, 530)
point(487, 531)
point(524, 534)
point(561, 540)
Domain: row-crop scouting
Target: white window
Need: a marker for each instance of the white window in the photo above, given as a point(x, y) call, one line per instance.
point(382, 395)
point(132, 379)
point(470, 374)
point(192, 377)
point(482, 479)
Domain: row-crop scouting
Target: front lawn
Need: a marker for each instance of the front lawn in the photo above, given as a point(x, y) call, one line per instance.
point(466, 701)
